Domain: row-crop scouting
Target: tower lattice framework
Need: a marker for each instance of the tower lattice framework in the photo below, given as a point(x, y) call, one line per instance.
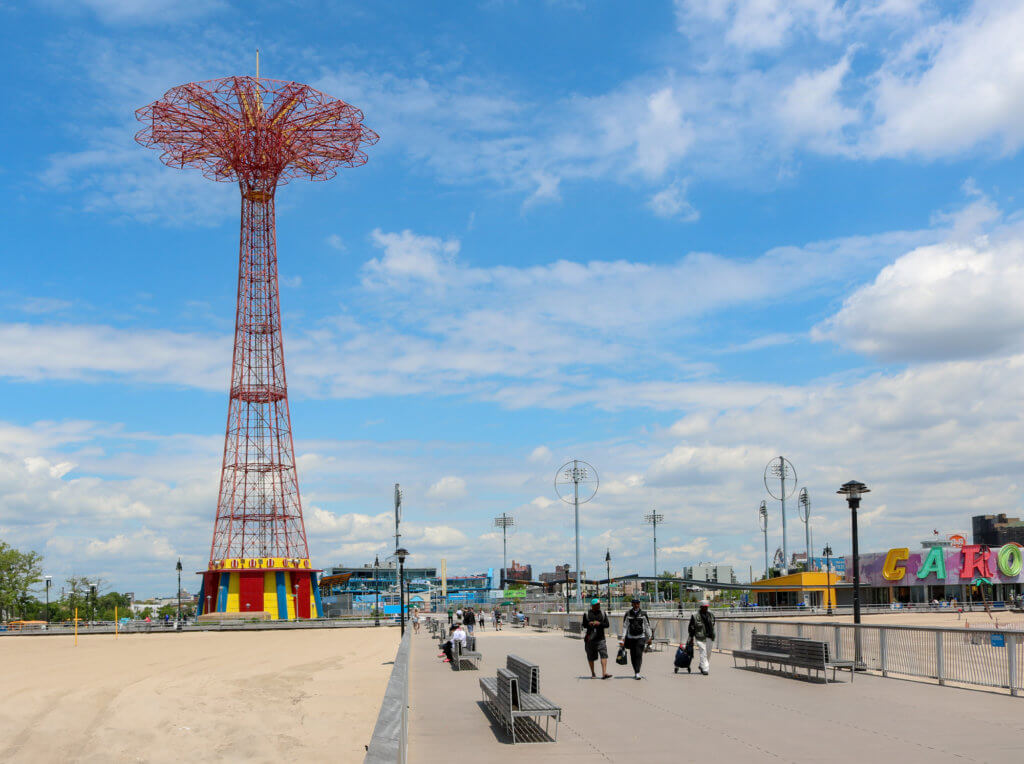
point(259, 133)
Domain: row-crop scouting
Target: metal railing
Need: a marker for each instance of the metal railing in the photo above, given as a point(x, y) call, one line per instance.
point(982, 657)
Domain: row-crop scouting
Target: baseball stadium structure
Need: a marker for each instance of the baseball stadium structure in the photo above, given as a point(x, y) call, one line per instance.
point(259, 133)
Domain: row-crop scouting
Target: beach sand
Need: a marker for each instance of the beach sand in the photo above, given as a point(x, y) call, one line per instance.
point(202, 696)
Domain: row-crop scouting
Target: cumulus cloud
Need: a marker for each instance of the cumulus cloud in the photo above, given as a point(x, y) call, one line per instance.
point(541, 455)
point(671, 202)
point(951, 300)
point(448, 488)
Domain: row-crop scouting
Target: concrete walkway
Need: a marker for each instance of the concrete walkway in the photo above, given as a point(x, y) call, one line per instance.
point(731, 715)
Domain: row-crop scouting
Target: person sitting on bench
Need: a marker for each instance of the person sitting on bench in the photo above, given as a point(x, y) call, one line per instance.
point(458, 635)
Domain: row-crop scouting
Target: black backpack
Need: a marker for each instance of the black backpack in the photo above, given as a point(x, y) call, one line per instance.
point(636, 624)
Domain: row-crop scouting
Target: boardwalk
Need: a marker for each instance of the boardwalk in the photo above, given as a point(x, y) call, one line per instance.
point(733, 715)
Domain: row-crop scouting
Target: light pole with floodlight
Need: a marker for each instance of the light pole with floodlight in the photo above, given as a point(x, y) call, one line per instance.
point(376, 592)
point(762, 519)
point(853, 490)
point(575, 473)
point(654, 518)
point(49, 582)
point(504, 522)
point(804, 503)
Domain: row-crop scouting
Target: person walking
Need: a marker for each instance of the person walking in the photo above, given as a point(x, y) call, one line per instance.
point(702, 631)
point(497, 619)
point(451, 614)
point(416, 620)
point(636, 635)
point(595, 622)
point(469, 618)
point(481, 619)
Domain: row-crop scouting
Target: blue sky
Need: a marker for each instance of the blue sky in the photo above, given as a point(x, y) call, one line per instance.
point(674, 242)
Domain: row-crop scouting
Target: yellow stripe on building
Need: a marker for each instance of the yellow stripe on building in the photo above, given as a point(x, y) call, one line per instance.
point(289, 595)
point(233, 581)
point(270, 594)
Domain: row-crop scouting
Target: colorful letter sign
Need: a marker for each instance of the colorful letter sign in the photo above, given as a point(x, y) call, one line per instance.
point(1010, 560)
point(935, 563)
point(889, 571)
point(975, 560)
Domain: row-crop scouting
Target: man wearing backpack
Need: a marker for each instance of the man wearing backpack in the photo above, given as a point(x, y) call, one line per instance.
point(636, 635)
point(702, 631)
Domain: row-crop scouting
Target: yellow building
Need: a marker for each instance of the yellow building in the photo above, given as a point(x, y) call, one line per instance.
point(809, 589)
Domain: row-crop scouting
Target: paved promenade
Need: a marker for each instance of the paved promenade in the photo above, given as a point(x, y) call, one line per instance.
point(732, 715)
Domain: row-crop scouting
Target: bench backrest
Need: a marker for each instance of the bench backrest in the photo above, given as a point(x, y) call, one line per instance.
point(527, 673)
point(508, 689)
point(471, 643)
point(806, 651)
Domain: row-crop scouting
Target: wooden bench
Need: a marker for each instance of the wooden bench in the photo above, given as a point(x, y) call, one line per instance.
point(469, 654)
point(795, 652)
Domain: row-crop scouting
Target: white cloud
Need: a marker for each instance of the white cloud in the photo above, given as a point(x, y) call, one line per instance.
point(336, 242)
point(956, 299)
point(671, 202)
point(448, 488)
point(760, 25)
point(541, 455)
point(953, 86)
point(410, 257)
point(811, 111)
point(132, 12)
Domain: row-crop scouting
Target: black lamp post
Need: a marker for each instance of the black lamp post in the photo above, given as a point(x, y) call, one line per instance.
point(376, 592)
point(49, 581)
point(401, 554)
point(608, 562)
point(178, 568)
point(567, 589)
point(827, 552)
point(853, 490)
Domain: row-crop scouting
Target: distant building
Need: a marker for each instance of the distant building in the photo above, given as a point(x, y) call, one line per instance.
point(518, 572)
point(559, 576)
point(711, 573)
point(997, 530)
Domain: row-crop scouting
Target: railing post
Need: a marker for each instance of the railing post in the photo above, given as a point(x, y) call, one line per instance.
point(1011, 662)
point(839, 643)
point(883, 651)
point(938, 657)
point(799, 630)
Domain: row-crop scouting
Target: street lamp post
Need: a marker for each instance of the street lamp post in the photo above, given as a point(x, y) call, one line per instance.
point(401, 554)
point(208, 597)
point(567, 589)
point(827, 552)
point(178, 568)
point(654, 518)
point(853, 490)
point(49, 581)
point(92, 596)
point(762, 518)
point(376, 592)
point(608, 588)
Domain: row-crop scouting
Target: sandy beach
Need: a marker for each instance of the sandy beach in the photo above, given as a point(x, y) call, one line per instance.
point(205, 696)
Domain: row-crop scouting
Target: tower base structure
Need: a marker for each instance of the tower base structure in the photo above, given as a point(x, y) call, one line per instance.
point(283, 588)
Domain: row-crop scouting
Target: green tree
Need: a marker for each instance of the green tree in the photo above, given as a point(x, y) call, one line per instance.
point(19, 572)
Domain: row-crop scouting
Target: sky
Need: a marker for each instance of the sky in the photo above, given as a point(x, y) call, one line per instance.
point(675, 243)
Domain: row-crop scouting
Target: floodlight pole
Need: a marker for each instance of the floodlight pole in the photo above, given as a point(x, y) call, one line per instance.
point(178, 567)
point(608, 588)
point(654, 518)
point(576, 505)
point(762, 516)
point(504, 522)
point(398, 514)
point(805, 514)
point(49, 581)
point(376, 592)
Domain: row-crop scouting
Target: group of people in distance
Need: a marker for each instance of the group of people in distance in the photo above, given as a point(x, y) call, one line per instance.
point(637, 634)
point(635, 637)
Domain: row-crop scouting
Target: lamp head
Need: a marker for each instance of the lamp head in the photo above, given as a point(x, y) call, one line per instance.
point(853, 489)
point(608, 555)
point(401, 554)
point(178, 566)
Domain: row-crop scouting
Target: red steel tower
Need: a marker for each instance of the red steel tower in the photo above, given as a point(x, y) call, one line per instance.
point(259, 133)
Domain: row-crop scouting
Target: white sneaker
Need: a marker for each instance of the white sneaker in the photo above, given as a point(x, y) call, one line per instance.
point(637, 676)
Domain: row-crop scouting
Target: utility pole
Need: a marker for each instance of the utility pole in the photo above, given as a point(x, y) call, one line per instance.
point(398, 514)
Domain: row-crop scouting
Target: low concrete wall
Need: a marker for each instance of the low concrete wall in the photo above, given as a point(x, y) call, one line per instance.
point(390, 741)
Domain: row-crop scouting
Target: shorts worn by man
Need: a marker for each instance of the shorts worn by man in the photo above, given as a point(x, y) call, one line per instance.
point(595, 622)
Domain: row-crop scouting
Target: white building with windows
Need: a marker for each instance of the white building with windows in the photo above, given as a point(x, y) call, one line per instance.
point(710, 572)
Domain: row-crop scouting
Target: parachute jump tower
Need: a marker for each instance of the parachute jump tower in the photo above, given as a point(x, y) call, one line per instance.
point(259, 133)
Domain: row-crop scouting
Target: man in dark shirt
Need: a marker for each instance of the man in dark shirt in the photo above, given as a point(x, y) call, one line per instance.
point(595, 622)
